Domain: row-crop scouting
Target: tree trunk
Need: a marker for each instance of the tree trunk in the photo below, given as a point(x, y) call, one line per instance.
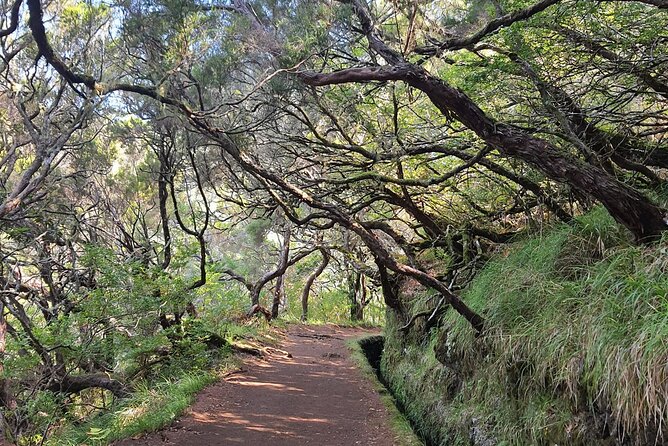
point(163, 196)
point(357, 296)
point(309, 283)
point(77, 383)
point(279, 293)
point(283, 264)
point(627, 206)
point(353, 284)
point(6, 399)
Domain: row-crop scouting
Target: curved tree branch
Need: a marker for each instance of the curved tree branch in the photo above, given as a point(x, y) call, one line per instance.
point(309, 282)
point(492, 26)
point(632, 209)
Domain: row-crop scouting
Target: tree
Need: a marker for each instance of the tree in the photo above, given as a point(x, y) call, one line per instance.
point(310, 280)
point(645, 220)
point(399, 141)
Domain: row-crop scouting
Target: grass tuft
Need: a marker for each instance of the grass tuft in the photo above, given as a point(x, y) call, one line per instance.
point(148, 410)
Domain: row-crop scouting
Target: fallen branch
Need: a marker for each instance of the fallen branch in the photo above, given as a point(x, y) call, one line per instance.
point(78, 383)
point(257, 308)
point(247, 350)
point(431, 313)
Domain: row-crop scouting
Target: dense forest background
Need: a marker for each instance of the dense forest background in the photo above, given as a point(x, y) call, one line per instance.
point(171, 168)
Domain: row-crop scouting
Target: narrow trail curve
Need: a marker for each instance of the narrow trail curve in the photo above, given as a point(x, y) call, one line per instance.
point(317, 397)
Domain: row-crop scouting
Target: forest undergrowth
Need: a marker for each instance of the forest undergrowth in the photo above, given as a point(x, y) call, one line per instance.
point(164, 383)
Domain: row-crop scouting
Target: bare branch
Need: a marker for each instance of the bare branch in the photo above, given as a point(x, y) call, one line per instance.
point(492, 26)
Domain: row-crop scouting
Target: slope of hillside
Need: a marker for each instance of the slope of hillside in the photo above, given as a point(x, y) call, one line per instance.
point(574, 350)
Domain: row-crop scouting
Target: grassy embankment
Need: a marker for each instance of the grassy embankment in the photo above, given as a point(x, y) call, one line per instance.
point(575, 348)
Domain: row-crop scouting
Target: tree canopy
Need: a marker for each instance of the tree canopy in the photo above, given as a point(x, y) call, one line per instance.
point(160, 158)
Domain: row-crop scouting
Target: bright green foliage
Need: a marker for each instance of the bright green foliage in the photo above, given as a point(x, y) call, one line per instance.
point(151, 408)
point(116, 326)
point(332, 306)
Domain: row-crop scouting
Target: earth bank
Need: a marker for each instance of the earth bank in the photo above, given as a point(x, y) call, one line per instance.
point(573, 353)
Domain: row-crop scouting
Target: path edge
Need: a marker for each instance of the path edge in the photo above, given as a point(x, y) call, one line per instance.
point(401, 429)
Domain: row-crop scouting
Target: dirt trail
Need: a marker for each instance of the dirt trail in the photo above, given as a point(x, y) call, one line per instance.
point(317, 397)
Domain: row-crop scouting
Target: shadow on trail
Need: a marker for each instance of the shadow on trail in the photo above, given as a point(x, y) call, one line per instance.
point(316, 397)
